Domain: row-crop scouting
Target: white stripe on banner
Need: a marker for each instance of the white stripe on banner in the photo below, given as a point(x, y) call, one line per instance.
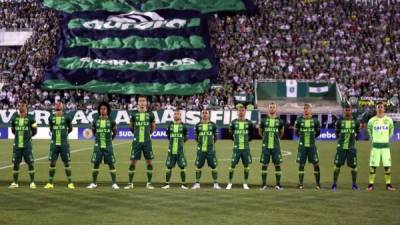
point(317, 90)
point(291, 88)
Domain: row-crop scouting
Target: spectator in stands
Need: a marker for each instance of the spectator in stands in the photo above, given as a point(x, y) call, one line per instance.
point(334, 40)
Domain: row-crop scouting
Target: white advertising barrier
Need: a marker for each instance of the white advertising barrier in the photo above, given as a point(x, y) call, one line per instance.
point(44, 134)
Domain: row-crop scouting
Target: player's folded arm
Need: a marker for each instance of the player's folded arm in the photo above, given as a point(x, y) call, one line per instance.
point(69, 122)
point(185, 134)
point(232, 130)
point(34, 127)
point(114, 133)
point(317, 128)
point(168, 131)
point(13, 126)
point(250, 131)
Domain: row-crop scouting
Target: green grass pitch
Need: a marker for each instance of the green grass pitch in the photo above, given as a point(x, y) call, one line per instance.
point(204, 206)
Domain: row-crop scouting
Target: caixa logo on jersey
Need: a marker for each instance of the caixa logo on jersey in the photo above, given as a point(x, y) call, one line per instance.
point(381, 127)
point(326, 135)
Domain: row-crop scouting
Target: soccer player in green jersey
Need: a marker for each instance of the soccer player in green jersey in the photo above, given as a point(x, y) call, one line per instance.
point(307, 129)
point(271, 130)
point(142, 126)
point(60, 126)
point(104, 129)
point(24, 127)
point(241, 130)
point(177, 135)
point(347, 130)
point(206, 136)
point(380, 129)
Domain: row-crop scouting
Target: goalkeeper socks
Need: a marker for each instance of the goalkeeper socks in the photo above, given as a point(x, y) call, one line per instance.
point(301, 175)
point(168, 174)
point(214, 173)
point(336, 172)
point(317, 175)
point(15, 173)
point(246, 174)
point(198, 175)
point(95, 173)
point(372, 172)
point(52, 172)
point(183, 176)
point(131, 173)
point(264, 174)
point(231, 172)
point(113, 173)
point(68, 173)
point(354, 175)
point(149, 172)
point(278, 175)
point(31, 172)
point(388, 177)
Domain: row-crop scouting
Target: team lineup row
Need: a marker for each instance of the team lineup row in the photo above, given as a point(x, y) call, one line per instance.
point(142, 124)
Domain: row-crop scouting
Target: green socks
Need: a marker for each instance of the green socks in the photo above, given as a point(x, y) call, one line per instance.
point(149, 173)
point(131, 173)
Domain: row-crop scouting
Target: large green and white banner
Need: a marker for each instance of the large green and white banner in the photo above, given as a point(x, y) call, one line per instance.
point(129, 47)
point(82, 118)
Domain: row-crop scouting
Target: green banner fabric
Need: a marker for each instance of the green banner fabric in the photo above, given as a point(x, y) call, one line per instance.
point(129, 47)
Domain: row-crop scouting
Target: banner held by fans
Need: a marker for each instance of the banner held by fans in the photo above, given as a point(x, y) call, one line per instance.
point(119, 47)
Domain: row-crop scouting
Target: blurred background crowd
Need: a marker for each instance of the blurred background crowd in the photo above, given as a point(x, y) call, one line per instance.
point(342, 41)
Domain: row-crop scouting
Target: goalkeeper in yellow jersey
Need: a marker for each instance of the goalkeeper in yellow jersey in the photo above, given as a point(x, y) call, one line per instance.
point(380, 129)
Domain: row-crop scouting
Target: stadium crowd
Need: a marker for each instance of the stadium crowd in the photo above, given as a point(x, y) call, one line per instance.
point(334, 40)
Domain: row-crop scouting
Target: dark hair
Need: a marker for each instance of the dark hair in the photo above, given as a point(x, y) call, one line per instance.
point(106, 105)
point(142, 96)
point(346, 106)
point(23, 102)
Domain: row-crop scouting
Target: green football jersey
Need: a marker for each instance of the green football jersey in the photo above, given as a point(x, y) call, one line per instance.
point(22, 129)
point(346, 132)
point(176, 133)
point(272, 128)
point(205, 135)
point(241, 132)
point(104, 132)
point(59, 127)
point(380, 130)
point(308, 130)
point(141, 123)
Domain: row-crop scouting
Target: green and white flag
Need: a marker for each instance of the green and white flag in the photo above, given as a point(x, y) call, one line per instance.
point(318, 89)
point(291, 88)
